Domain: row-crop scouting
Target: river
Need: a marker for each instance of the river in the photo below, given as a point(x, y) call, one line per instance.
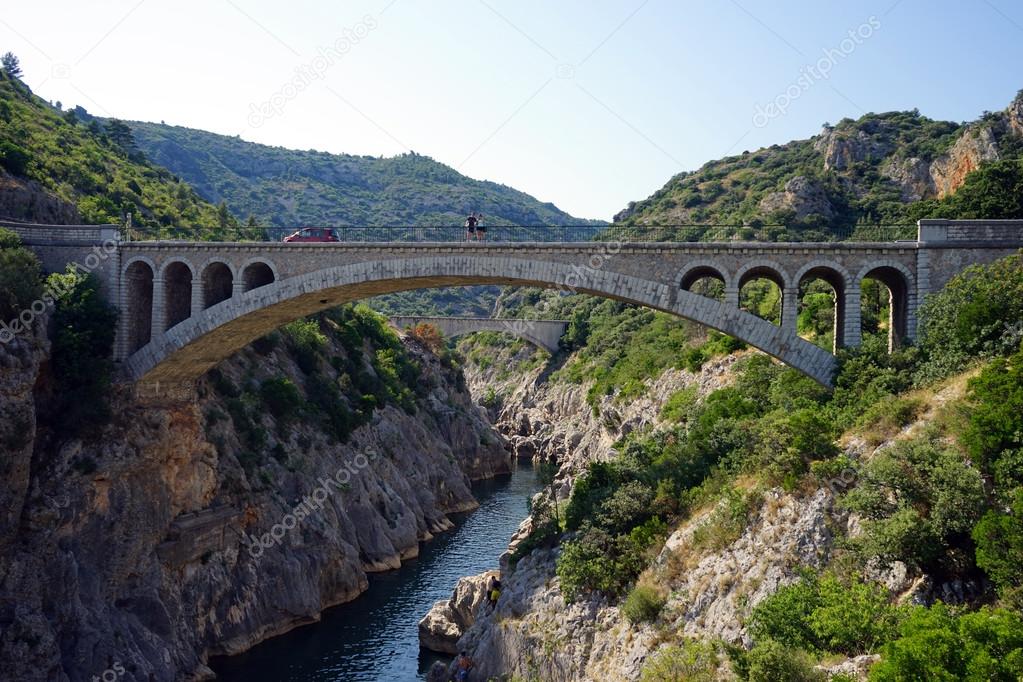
point(375, 637)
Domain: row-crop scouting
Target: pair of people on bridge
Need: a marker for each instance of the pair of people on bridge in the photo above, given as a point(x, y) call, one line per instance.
point(474, 227)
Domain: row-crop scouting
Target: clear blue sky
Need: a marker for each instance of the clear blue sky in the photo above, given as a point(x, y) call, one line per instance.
point(589, 104)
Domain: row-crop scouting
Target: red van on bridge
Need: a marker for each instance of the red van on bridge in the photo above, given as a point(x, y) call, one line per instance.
point(313, 234)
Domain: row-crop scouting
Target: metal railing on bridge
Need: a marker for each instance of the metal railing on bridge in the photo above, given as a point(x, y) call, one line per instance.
point(543, 233)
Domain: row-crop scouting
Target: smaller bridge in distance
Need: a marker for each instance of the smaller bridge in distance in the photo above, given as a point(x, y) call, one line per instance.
point(541, 333)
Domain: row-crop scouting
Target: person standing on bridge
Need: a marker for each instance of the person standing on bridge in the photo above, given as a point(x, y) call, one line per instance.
point(470, 227)
point(481, 229)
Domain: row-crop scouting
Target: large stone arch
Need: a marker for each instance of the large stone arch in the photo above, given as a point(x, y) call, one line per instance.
point(699, 269)
point(218, 278)
point(138, 276)
point(837, 277)
point(178, 277)
point(188, 350)
point(901, 286)
point(252, 276)
point(769, 269)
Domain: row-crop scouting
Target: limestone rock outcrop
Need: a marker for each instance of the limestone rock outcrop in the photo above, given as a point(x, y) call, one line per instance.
point(802, 196)
point(172, 538)
point(445, 623)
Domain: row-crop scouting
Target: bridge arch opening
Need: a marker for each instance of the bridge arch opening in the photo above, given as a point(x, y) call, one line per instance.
point(821, 303)
point(177, 282)
point(217, 284)
point(885, 303)
point(257, 274)
point(138, 278)
point(761, 288)
point(705, 280)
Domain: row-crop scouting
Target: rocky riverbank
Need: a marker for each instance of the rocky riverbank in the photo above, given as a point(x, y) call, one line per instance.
point(191, 530)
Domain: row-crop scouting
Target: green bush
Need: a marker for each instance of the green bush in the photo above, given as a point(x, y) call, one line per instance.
point(999, 538)
point(643, 604)
point(919, 499)
point(14, 158)
point(282, 398)
point(9, 239)
point(83, 340)
point(693, 661)
point(935, 644)
point(972, 316)
point(595, 561)
point(771, 661)
point(21, 282)
point(995, 411)
point(826, 615)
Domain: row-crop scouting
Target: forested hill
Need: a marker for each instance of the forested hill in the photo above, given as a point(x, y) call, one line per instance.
point(281, 186)
point(57, 167)
point(885, 168)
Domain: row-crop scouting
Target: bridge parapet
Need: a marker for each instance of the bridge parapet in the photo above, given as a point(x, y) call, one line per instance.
point(962, 232)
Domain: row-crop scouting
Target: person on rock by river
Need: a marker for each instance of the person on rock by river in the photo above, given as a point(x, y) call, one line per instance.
point(463, 664)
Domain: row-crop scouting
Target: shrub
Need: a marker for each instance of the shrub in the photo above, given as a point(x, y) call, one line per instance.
point(282, 399)
point(826, 615)
point(999, 538)
point(307, 341)
point(677, 407)
point(995, 413)
point(83, 341)
point(786, 441)
point(887, 417)
point(971, 316)
point(692, 662)
point(21, 281)
point(597, 561)
point(934, 644)
point(918, 498)
point(430, 336)
point(643, 604)
point(14, 158)
point(9, 239)
point(728, 520)
point(771, 661)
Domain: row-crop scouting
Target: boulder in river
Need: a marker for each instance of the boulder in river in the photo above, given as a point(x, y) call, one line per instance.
point(442, 627)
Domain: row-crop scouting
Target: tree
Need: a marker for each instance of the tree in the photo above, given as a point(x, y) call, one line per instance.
point(11, 65)
point(223, 215)
point(120, 134)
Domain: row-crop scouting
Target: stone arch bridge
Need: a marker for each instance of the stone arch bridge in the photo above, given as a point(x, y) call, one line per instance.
point(541, 333)
point(185, 306)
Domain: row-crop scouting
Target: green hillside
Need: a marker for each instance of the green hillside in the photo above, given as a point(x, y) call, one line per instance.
point(287, 187)
point(93, 171)
point(890, 168)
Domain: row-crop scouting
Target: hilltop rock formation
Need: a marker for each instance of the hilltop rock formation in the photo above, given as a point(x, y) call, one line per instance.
point(802, 196)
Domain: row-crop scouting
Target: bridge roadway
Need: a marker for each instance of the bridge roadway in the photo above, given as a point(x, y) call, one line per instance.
point(185, 306)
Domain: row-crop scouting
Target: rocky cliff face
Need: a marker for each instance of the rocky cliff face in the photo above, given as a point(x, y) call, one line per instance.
point(171, 538)
point(710, 577)
point(536, 634)
point(23, 199)
point(551, 421)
